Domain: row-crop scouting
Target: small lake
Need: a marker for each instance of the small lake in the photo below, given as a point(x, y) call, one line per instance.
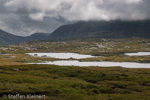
point(97, 64)
point(61, 55)
point(88, 64)
point(138, 54)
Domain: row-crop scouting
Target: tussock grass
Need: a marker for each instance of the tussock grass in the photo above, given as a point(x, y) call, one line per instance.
point(76, 83)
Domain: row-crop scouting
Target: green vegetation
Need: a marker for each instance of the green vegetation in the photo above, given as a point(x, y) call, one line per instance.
point(111, 49)
point(21, 59)
point(75, 83)
point(142, 59)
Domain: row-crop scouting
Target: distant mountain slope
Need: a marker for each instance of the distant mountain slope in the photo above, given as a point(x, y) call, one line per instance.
point(103, 29)
point(7, 38)
point(38, 36)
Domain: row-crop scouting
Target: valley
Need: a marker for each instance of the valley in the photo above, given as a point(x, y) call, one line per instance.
point(87, 61)
point(74, 49)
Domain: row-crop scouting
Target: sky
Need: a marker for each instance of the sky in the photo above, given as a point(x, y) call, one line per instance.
point(25, 17)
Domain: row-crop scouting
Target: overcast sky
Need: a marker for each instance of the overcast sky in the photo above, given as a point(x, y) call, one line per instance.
point(24, 17)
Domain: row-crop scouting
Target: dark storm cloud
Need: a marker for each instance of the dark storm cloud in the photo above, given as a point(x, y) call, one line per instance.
point(23, 17)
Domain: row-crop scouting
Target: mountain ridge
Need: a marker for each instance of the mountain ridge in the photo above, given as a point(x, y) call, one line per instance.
point(103, 29)
point(8, 38)
point(85, 30)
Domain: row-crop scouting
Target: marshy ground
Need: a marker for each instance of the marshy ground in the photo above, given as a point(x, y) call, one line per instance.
point(76, 83)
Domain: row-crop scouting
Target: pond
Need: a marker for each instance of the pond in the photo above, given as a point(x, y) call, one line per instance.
point(97, 64)
point(138, 54)
point(88, 64)
point(61, 55)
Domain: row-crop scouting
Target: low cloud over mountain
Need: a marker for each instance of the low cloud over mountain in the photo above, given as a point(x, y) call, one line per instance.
point(23, 17)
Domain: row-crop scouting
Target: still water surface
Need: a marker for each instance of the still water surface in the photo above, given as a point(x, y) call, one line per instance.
point(62, 55)
point(92, 63)
point(97, 64)
point(138, 54)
